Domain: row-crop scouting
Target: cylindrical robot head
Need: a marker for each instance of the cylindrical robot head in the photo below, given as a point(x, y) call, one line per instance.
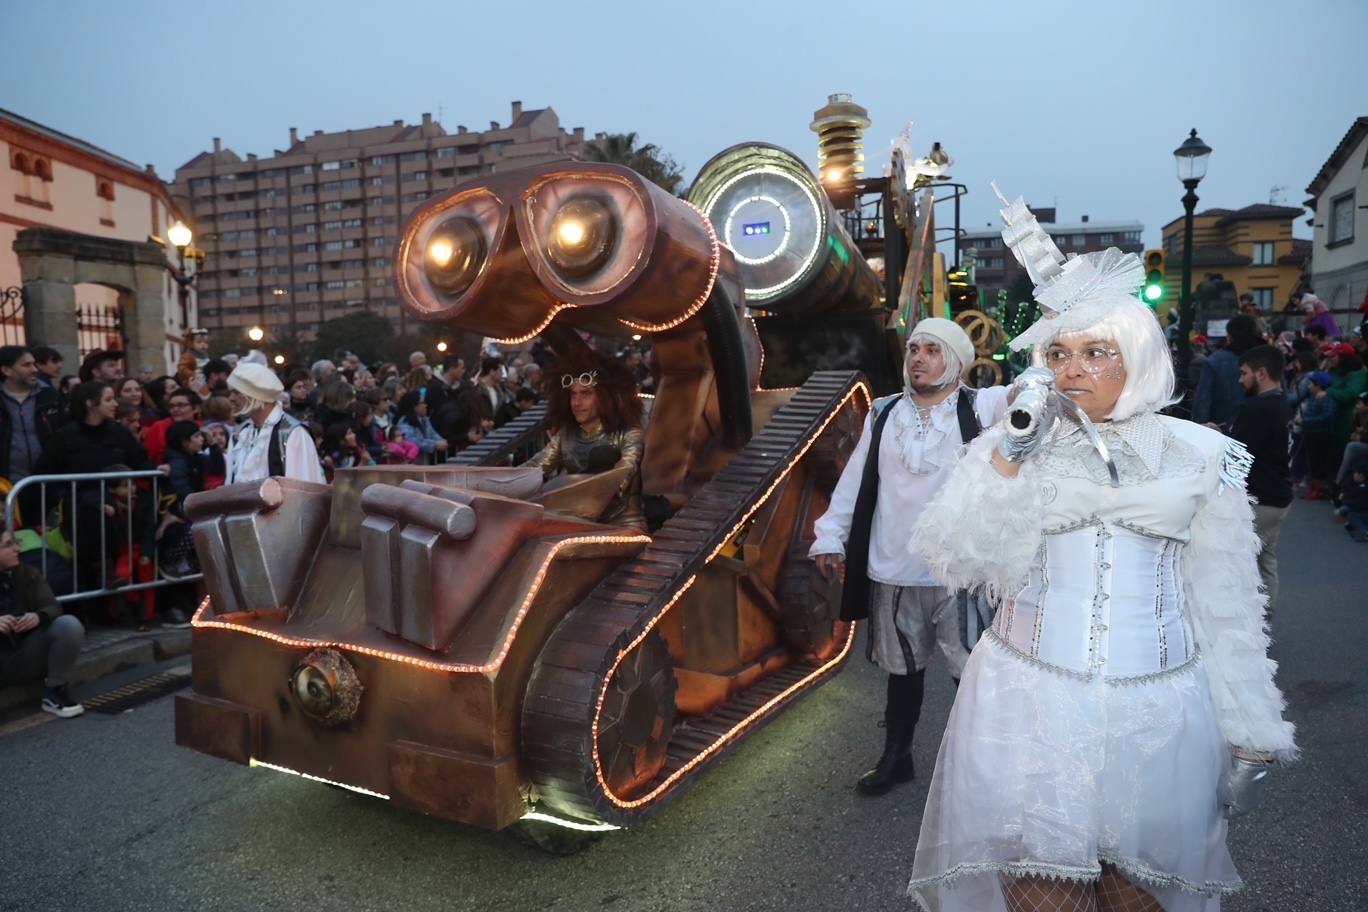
point(596, 243)
point(794, 253)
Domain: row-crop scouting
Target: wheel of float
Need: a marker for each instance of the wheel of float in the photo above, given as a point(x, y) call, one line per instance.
point(552, 838)
point(637, 718)
point(985, 333)
point(809, 606)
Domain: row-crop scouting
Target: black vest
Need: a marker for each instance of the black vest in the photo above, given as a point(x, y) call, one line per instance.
point(855, 594)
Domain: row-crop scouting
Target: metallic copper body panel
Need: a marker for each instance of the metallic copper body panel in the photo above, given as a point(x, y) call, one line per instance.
point(500, 650)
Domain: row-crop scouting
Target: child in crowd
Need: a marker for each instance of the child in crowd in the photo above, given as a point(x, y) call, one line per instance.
point(130, 537)
point(1353, 509)
point(130, 416)
point(213, 462)
point(368, 436)
point(341, 450)
point(1318, 414)
point(398, 450)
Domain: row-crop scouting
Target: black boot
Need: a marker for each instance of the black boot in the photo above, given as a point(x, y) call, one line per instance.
point(900, 723)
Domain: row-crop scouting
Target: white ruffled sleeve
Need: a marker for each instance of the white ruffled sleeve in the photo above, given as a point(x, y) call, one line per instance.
point(832, 528)
point(1226, 606)
point(982, 529)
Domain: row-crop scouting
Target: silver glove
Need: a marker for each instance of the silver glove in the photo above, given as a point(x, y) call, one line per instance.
point(1242, 785)
point(1031, 415)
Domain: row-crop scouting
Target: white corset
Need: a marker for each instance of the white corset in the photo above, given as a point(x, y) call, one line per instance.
point(1102, 599)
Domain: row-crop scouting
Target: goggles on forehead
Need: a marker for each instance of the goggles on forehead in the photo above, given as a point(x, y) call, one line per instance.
point(588, 378)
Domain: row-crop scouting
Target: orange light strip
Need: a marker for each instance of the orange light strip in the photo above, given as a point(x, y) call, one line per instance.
point(759, 375)
point(859, 388)
point(199, 621)
point(519, 340)
point(714, 261)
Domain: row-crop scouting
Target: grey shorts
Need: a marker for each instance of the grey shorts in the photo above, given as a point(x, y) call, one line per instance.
point(906, 623)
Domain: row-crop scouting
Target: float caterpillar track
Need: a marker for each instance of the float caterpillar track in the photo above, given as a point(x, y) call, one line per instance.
point(612, 633)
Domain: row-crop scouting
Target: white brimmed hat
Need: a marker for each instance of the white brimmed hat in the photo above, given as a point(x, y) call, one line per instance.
point(256, 381)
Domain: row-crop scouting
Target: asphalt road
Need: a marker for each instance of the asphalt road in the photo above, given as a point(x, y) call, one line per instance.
point(105, 813)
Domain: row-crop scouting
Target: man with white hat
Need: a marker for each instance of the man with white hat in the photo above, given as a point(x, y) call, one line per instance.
point(270, 442)
point(910, 443)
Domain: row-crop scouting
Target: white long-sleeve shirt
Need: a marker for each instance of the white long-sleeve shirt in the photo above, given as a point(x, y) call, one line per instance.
point(249, 454)
point(914, 461)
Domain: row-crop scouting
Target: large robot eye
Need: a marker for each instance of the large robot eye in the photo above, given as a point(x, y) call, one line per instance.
point(455, 254)
point(580, 237)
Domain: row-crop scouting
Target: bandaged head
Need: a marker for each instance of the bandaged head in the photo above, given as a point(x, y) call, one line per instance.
point(954, 343)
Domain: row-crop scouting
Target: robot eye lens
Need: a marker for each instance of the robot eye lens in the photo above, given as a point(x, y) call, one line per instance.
point(455, 254)
point(581, 237)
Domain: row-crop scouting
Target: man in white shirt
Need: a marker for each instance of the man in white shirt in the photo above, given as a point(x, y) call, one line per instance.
point(270, 442)
point(862, 537)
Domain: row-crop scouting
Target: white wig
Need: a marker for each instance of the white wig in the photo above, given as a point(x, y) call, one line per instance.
point(250, 405)
point(953, 368)
point(1133, 328)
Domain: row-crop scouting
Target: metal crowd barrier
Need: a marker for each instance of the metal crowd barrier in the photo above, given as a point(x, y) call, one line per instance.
point(72, 511)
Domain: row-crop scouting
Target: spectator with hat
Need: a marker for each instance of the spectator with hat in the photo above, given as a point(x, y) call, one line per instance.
point(270, 442)
point(1350, 380)
point(105, 366)
point(1316, 315)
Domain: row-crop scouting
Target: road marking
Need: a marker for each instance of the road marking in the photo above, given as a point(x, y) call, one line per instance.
point(19, 725)
point(40, 718)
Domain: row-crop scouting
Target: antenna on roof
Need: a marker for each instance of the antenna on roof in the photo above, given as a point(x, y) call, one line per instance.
point(440, 109)
point(1276, 194)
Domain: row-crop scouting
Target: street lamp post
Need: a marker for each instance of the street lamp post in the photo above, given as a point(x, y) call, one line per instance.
point(180, 236)
point(1191, 158)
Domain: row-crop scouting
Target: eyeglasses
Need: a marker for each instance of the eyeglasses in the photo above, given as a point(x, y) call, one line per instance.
point(1092, 360)
point(588, 378)
point(180, 404)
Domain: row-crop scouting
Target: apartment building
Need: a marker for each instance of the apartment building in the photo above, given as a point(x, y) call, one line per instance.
point(1252, 247)
point(996, 268)
point(308, 234)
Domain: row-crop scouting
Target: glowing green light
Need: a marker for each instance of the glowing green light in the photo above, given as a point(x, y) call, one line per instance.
point(1154, 292)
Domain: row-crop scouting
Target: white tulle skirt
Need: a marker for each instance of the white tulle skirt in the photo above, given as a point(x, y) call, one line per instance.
point(1048, 774)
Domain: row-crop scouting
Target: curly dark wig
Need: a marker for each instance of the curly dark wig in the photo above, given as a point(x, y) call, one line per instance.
point(618, 405)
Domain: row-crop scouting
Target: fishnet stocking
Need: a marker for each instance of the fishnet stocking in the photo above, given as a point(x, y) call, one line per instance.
point(1042, 894)
point(1117, 894)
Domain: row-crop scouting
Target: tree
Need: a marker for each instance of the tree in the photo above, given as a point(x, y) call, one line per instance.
point(649, 160)
point(365, 333)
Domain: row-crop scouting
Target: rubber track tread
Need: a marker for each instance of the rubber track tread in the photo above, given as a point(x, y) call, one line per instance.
point(557, 726)
point(505, 441)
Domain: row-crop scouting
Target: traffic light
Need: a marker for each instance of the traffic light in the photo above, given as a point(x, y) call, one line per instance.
point(1154, 277)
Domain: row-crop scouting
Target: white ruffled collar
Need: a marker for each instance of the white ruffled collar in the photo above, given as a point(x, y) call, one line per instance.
point(1143, 436)
point(921, 442)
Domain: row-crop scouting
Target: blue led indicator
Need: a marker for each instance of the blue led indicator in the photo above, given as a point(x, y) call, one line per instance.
point(751, 229)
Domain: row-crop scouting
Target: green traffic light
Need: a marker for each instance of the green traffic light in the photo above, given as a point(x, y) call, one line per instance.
point(1154, 292)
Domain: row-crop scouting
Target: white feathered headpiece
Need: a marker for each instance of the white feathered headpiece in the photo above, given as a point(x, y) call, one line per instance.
point(1073, 293)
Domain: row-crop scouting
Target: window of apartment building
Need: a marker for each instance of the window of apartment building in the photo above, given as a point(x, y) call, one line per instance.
point(1132, 237)
point(415, 197)
point(274, 232)
point(354, 283)
point(380, 283)
point(280, 250)
point(247, 233)
point(380, 262)
point(1342, 219)
point(201, 183)
point(330, 226)
point(353, 264)
point(496, 147)
point(228, 236)
point(247, 252)
point(350, 183)
point(232, 292)
point(270, 173)
point(334, 284)
point(990, 263)
point(380, 242)
point(248, 272)
point(332, 205)
point(331, 166)
point(1263, 253)
point(306, 188)
point(991, 243)
point(468, 169)
point(352, 223)
point(310, 247)
point(1080, 240)
point(281, 270)
point(1263, 298)
point(311, 267)
point(382, 180)
point(1061, 240)
point(420, 155)
point(381, 159)
point(328, 186)
point(302, 169)
point(308, 286)
point(333, 245)
point(446, 152)
point(445, 172)
point(305, 207)
point(1106, 239)
point(380, 220)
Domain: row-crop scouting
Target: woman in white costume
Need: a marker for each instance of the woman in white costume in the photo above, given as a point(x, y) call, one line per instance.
point(1122, 706)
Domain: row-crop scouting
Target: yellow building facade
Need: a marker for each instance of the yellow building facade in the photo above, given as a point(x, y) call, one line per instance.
point(1252, 247)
